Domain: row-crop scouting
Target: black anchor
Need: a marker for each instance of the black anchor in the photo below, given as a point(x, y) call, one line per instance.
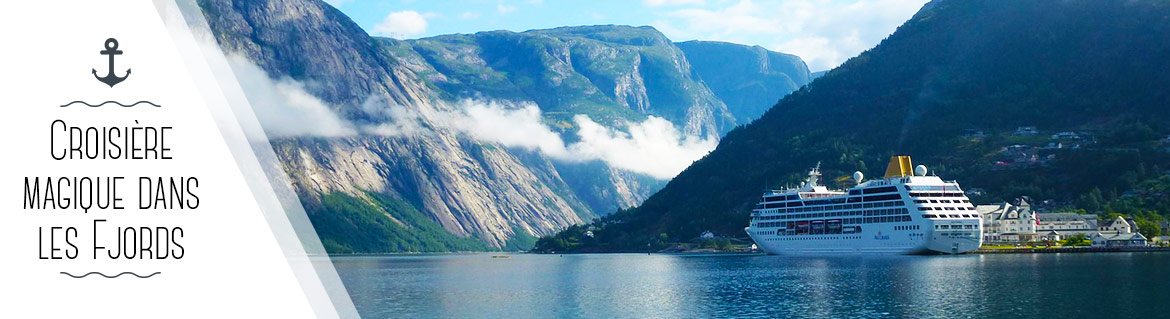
point(111, 50)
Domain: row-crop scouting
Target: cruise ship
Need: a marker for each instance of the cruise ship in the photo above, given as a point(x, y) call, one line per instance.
point(905, 212)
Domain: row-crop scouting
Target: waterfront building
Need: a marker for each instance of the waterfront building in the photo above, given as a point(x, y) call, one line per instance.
point(1119, 240)
point(1008, 223)
point(1051, 235)
point(1066, 224)
point(1118, 225)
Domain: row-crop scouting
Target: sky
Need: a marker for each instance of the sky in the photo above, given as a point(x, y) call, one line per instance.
point(824, 33)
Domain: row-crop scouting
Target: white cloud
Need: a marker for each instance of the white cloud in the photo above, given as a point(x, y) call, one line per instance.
point(654, 147)
point(504, 9)
point(509, 125)
point(658, 3)
point(822, 32)
point(402, 24)
point(467, 15)
point(392, 119)
point(283, 107)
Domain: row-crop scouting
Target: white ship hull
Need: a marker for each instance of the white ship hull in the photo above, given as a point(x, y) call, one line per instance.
point(881, 240)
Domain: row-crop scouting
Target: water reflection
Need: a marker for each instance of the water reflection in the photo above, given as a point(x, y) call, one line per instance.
point(687, 286)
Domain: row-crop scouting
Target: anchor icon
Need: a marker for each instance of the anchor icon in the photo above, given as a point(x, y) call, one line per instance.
point(111, 50)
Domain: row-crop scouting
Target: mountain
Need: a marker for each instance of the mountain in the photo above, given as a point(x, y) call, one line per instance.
point(1095, 69)
point(748, 79)
point(610, 73)
point(443, 190)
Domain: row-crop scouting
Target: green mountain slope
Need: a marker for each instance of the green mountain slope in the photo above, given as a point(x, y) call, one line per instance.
point(1094, 67)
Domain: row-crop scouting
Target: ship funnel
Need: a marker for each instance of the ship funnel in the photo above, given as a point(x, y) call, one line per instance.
point(899, 166)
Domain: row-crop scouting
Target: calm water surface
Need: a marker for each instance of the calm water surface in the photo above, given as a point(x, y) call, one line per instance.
point(1110, 285)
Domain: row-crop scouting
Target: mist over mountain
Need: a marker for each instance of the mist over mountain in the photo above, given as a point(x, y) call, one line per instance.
point(480, 141)
point(950, 87)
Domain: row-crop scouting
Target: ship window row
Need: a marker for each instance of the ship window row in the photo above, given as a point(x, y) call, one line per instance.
point(835, 207)
point(873, 190)
point(841, 207)
point(947, 208)
point(840, 200)
point(858, 220)
point(879, 190)
point(949, 216)
point(781, 197)
point(907, 227)
point(817, 238)
point(954, 226)
point(943, 201)
point(937, 195)
point(832, 226)
point(932, 188)
point(868, 212)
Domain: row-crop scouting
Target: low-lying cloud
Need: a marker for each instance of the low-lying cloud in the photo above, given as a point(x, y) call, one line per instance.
point(654, 146)
point(283, 107)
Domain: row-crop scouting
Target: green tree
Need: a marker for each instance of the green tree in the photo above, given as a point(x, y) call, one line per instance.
point(1148, 228)
point(1075, 240)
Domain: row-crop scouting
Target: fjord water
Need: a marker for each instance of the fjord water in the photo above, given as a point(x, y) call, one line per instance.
point(690, 286)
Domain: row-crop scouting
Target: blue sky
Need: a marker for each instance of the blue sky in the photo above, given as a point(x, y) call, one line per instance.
point(822, 32)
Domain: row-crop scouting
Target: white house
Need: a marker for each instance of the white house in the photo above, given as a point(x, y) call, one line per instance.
point(1008, 223)
point(1118, 225)
point(1119, 240)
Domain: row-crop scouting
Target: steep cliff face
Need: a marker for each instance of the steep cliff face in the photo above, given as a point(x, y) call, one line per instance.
point(438, 189)
point(749, 79)
point(467, 188)
point(312, 40)
point(610, 73)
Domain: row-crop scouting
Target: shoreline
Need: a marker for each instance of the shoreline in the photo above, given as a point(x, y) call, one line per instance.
point(1022, 250)
point(1056, 250)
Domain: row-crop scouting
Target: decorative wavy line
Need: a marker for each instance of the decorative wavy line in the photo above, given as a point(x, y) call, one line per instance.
point(108, 102)
point(108, 276)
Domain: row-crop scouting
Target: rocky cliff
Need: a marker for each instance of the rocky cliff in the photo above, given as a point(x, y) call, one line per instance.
point(431, 191)
point(749, 80)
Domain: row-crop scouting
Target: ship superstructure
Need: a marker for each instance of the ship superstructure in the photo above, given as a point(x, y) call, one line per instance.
point(905, 212)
